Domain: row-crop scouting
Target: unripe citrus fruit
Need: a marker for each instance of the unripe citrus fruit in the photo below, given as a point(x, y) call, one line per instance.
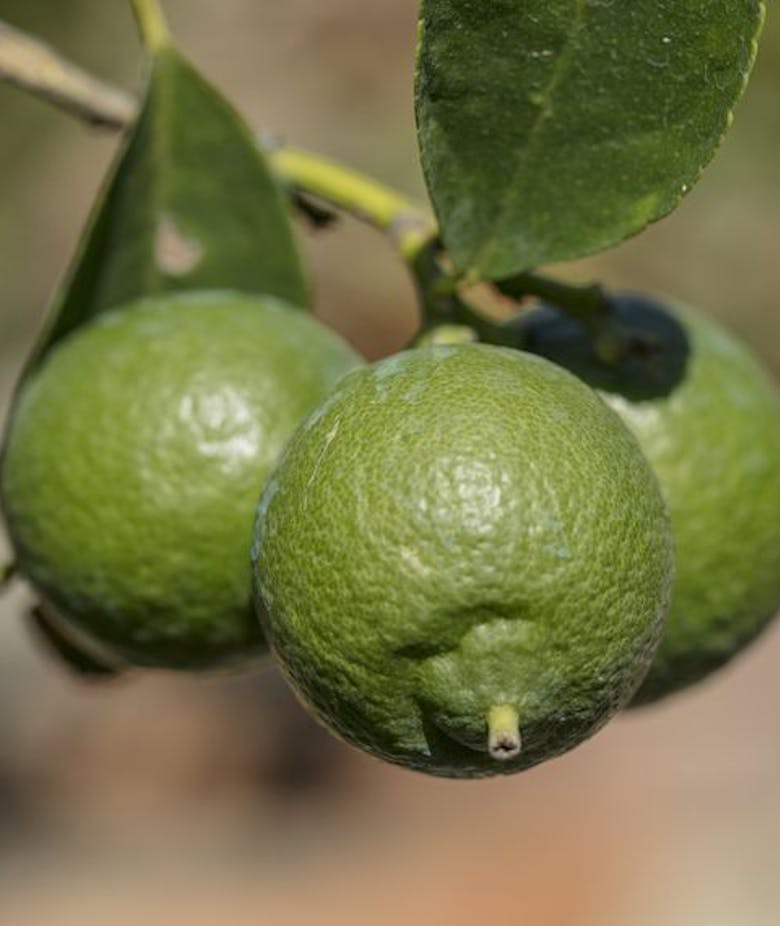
point(134, 460)
point(708, 418)
point(463, 560)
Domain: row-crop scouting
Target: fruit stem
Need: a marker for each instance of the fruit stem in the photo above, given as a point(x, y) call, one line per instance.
point(446, 334)
point(407, 224)
point(504, 740)
point(411, 228)
point(151, 24)
point(588, 304)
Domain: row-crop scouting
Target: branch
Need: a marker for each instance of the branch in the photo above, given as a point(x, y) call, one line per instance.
point(590, 304)
point(151, 23)
point(34, 66)
point(39, 69)
point(409, 227)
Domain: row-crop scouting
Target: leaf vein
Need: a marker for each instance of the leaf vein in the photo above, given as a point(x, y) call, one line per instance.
point(561, 68)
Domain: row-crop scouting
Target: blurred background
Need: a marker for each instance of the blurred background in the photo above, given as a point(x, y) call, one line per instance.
point(163, 799)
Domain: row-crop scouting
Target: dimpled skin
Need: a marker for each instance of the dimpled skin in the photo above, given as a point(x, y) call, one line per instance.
point(708, 418)
point(455, 528)
point(134, 460)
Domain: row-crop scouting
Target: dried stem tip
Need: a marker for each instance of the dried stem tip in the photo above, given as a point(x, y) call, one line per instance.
point(504, 741)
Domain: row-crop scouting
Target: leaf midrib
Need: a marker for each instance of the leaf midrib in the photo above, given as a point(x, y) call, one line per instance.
point(560, 70)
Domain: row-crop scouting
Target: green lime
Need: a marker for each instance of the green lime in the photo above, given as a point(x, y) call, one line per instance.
point(134, 460)
point(708, 418)
point(463, 560)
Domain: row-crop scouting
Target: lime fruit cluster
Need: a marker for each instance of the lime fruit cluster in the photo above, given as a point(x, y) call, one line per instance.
point(707, 417)
point(464, 555)
point(134, 459)
point(463, 560)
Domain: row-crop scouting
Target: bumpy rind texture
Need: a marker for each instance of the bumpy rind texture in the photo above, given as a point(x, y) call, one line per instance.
point(134, 460)
point(456, 528)
point(708, 418)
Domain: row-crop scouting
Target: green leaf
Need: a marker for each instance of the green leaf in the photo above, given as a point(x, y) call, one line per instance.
point(190, 204)
point(551, 129)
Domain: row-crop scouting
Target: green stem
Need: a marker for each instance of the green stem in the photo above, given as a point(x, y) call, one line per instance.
point(588, 304)
point(445, 334)
point(411, 229)
point(406, 223)
point(151, 24)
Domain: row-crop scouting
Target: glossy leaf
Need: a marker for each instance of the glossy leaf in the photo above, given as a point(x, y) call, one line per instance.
point(550, 129)
point(190, 203)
